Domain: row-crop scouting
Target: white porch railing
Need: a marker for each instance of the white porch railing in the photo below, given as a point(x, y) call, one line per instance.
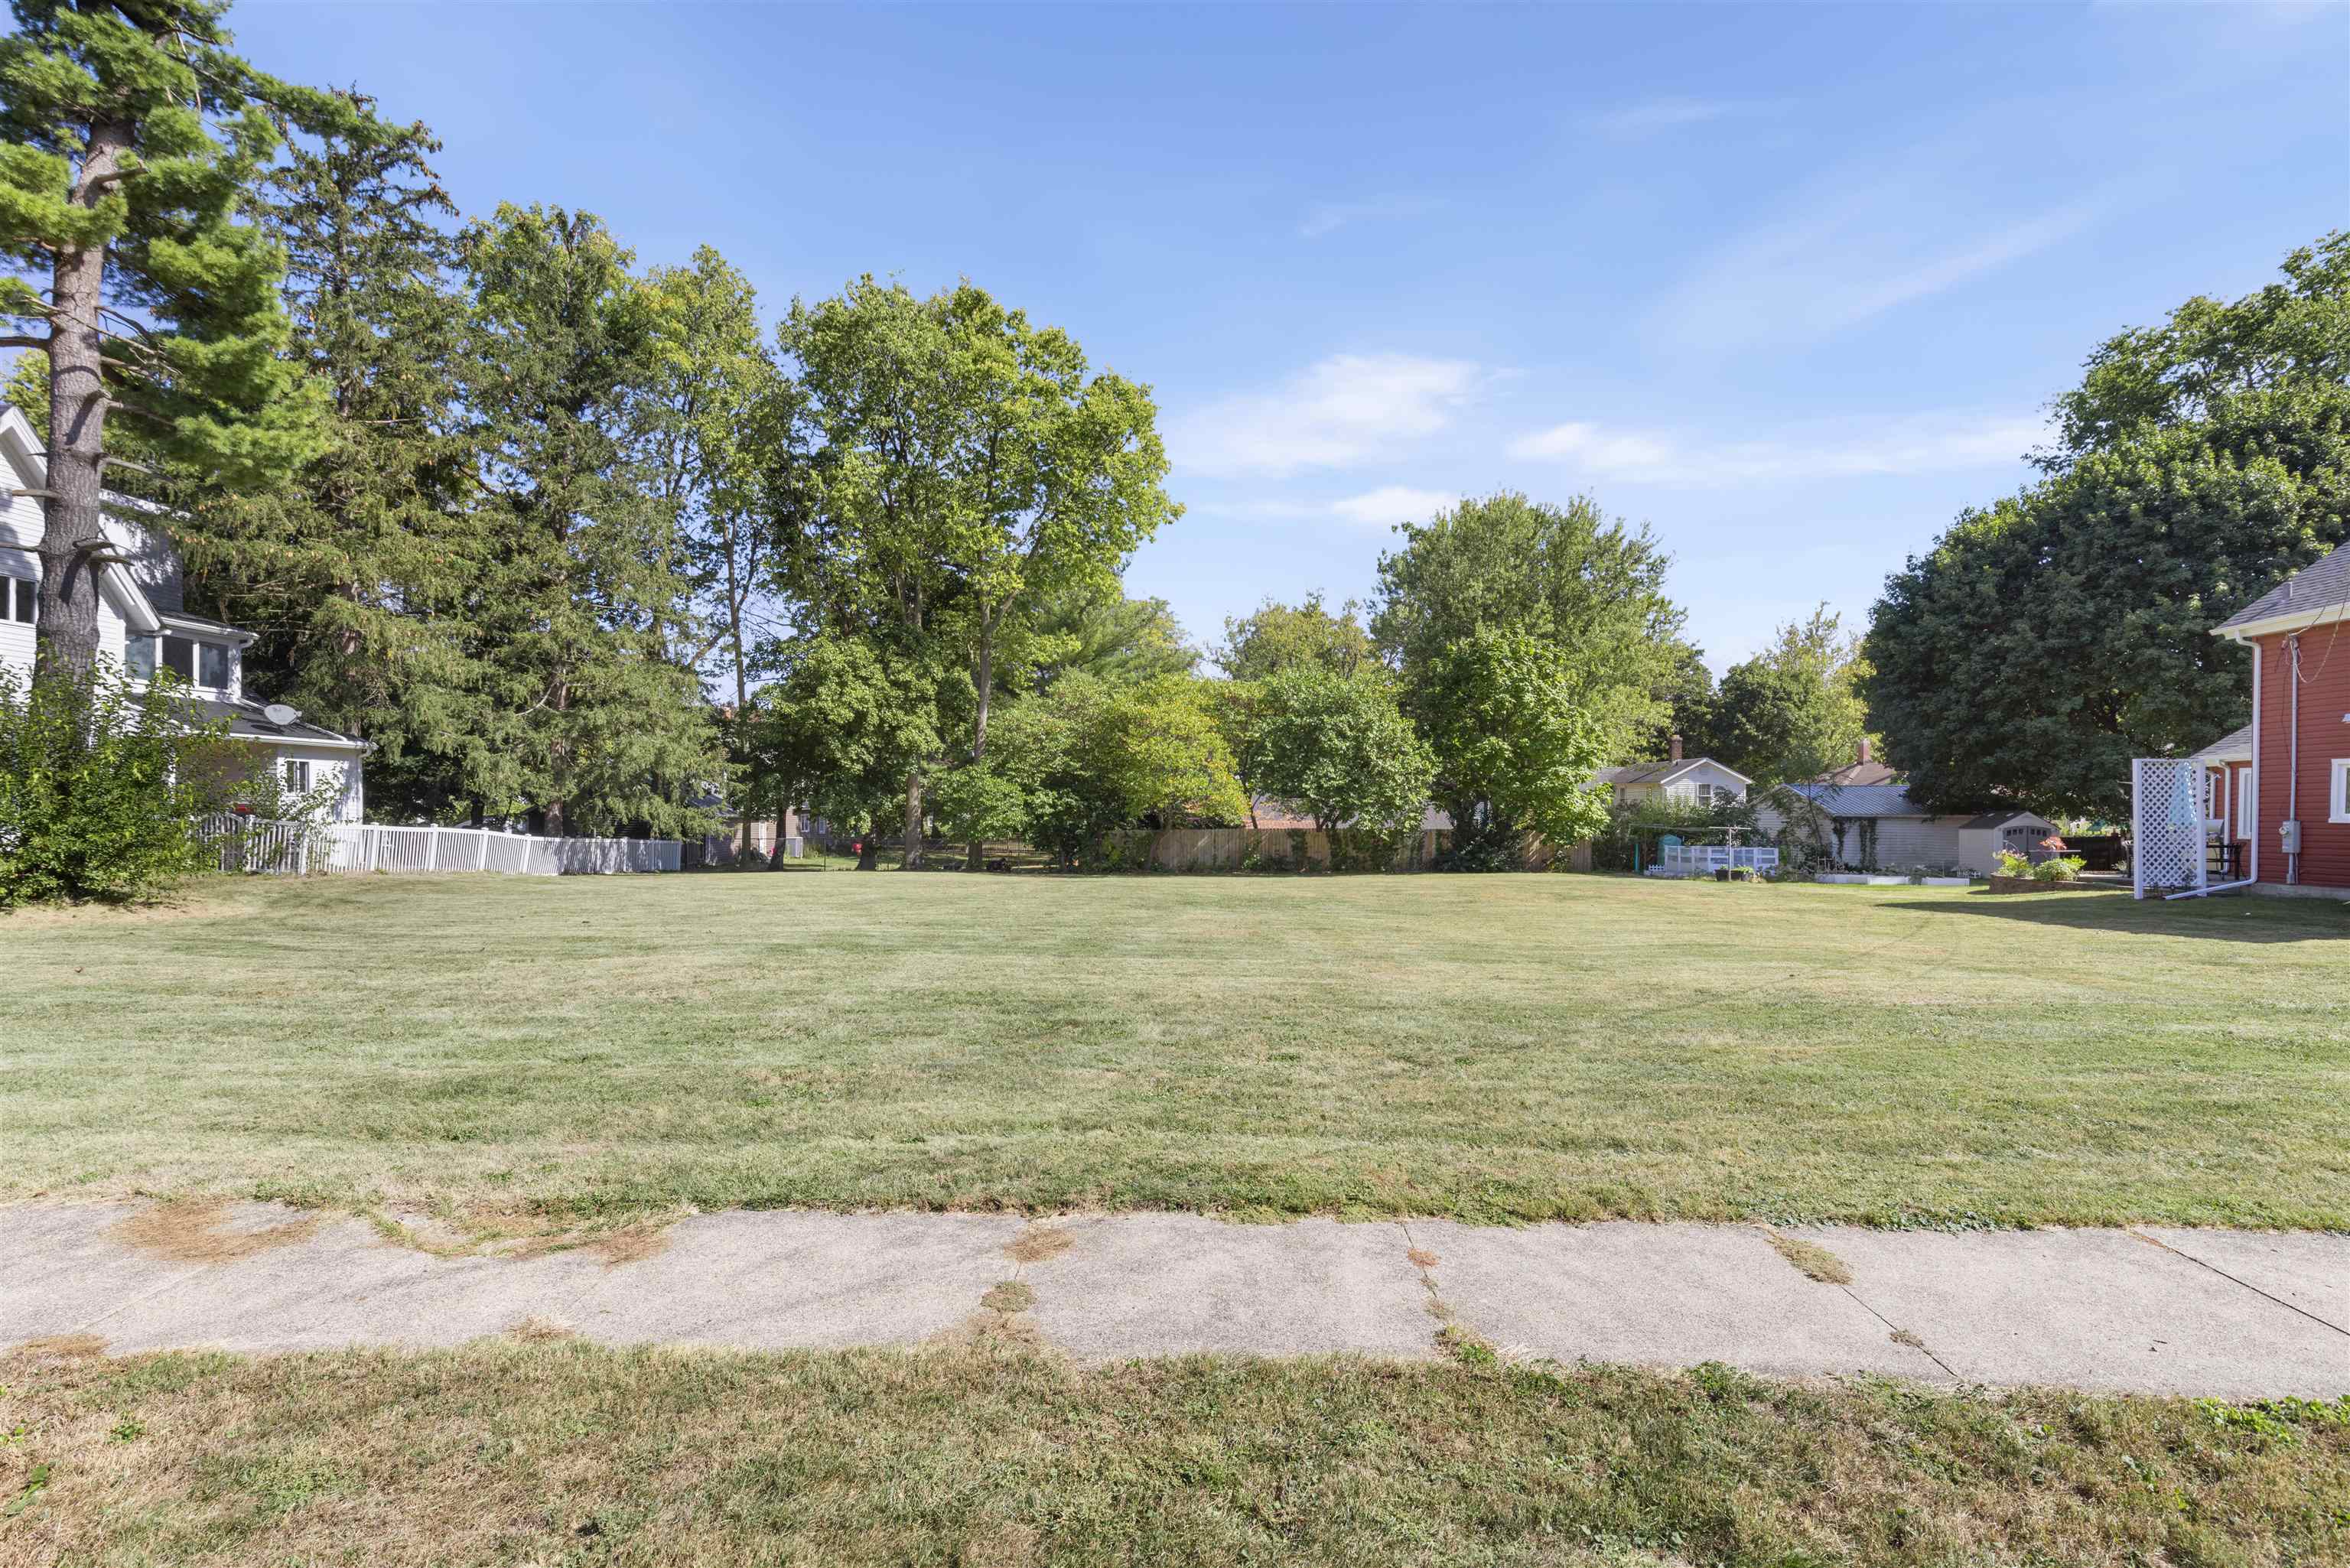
point(295, 848)
point(1705, 859)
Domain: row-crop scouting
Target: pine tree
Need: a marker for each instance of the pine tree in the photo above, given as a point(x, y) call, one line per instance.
point(131, 135)
point(592, 725)
point(357, 570)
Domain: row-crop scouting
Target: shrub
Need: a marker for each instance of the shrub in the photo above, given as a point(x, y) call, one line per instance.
point(101, 787)
point(2058, 868)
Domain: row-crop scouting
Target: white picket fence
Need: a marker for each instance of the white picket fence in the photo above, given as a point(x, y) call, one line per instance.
point(299, 848)
point(1705, 859)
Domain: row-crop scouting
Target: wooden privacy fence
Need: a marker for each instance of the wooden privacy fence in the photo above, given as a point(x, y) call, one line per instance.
point(311, 848)
point(1272, 849)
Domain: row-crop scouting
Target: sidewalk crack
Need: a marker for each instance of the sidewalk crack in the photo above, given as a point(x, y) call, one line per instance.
point(2289, 1306)
point(1904, 1336)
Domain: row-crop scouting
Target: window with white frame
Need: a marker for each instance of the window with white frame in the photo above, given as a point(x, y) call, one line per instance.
point(197, 664)
point(19, 599)
point(297, 775)
point(2339, 797)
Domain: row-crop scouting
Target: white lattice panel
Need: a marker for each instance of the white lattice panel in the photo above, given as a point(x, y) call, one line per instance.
point(2167, 849)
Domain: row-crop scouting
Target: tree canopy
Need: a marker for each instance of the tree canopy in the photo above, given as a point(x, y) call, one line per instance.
point(2050, 637)
point(134, 135)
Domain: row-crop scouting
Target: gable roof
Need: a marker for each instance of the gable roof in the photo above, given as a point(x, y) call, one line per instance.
point(1861, 800)
point(2307, 596)
point(1662, 773)
point(2234, 746)
point(2001, 818)
point(1868, 773)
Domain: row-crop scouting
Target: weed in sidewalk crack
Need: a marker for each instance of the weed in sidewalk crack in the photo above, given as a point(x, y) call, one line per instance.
point(1810, 1259)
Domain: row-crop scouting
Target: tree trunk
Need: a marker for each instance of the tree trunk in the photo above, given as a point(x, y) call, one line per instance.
point(985, 684)
point(751, 796)
point(913, 821)
point(66, 639)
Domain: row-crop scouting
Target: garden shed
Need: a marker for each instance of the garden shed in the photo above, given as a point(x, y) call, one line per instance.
point(1980, 838)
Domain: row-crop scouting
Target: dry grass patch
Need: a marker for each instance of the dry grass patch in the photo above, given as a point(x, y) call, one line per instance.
point(1810, 1259)
point(561, 1451)
point(1039, 1243)
point(66, 1346)
point(537, 1330)
point(197, 1231)
point(630, 1244)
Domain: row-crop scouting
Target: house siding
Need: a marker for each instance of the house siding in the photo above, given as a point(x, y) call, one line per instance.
point(2324, 702)
point(1906, 841)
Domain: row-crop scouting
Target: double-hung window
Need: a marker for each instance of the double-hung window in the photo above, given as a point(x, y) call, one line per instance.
point(2337, 797)
point(297, 775)
point(19, 598)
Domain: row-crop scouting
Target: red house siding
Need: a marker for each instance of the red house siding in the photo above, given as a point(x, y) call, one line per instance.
point(2324, 700)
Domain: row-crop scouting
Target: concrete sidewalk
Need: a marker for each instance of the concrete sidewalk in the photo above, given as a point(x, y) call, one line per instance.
point(2232, 1313)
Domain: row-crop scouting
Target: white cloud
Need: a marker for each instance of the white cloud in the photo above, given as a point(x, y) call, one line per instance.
point(1924, 444)
point(1327, 217)
point(1862, 240)
point(1334, 414)
point(1392, 504)
point(1664, 114)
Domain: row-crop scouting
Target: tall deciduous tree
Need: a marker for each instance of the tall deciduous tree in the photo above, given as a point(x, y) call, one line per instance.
point(1276, 637)
point(1339, 746)
point(594, 725)
point(2047, 639)
point(132, 133)
point(1517, 745)
point(1579, 600)
point(969, 466)
point(1793, 710)
point(717, 408)
point(835, 731)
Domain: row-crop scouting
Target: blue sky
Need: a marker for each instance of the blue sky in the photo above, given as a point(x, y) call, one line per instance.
point(1789, 284)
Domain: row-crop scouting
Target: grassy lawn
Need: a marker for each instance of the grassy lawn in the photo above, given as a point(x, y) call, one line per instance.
point(988, 1454)
point(1495, 1048)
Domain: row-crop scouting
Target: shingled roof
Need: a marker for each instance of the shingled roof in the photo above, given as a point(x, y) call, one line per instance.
point(2319, 585)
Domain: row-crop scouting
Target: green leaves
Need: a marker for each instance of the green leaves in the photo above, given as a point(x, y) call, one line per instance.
point(99, 786)
point(1340, 747)
point(1532, 642)
point(2047, 640)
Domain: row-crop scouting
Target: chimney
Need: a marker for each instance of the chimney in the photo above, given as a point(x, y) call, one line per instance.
point(1864, 748)
point(1676, 744)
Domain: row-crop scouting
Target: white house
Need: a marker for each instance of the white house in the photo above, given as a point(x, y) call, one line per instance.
point(1692, 781)
point(143, 625)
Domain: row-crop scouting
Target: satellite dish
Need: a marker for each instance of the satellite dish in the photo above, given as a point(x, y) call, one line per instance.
point(279, 714)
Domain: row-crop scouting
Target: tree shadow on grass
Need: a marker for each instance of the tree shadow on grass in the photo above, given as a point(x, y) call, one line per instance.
point(2234, 917)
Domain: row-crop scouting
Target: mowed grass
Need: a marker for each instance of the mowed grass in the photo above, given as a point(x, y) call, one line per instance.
point(988, 1455)
point(1495, 1048)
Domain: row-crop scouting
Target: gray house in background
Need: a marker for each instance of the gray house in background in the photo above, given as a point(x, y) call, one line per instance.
point(1879, 827)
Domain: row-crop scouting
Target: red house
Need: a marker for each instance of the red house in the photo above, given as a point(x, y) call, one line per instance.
point(2278, 791)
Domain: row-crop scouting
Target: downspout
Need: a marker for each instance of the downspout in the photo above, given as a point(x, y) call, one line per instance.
point(2292, 760)
point(2252, 828)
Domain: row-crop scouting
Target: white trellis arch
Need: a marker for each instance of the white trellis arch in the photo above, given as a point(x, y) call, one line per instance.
point(2167, 828)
